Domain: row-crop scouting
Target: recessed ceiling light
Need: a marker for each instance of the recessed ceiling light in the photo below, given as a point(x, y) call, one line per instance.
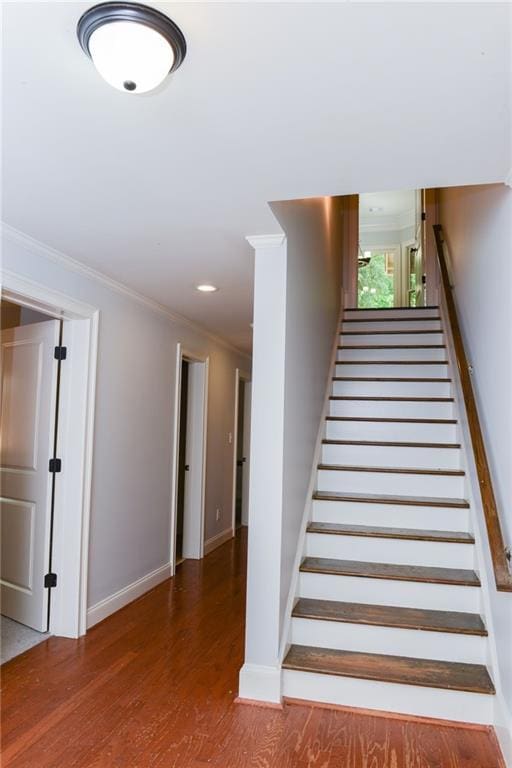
point(206, 288)
point(132, 46)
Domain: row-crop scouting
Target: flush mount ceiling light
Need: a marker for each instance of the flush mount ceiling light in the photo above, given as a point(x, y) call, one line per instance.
point(132, 46)
point(206, 288)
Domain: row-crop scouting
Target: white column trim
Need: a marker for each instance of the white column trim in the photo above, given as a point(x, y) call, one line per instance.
point(260, 683)
point(266, 241)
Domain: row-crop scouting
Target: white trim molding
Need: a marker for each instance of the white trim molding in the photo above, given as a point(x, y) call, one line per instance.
point(508, 180)
point(127, 595)
point(41, 249)
point(266, 241)
point(216, 541)
point(260, 683)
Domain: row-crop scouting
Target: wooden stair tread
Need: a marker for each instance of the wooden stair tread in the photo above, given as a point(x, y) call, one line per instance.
point(390, 378)
point(370, 570)
point(409, 319)
point(392, 309)
point(456, 676)
point(388, 333)
point(390, 420)
point(454, 622)
point(393, 346)
point(379, 532)
point(391, 362)
point(385, 443)
point(374, 398)
point(392, 470)
point(381, 498)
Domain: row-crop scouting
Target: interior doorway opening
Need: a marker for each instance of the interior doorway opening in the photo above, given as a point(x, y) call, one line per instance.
point(190, 464)
point(390, 259)
point(241, 453)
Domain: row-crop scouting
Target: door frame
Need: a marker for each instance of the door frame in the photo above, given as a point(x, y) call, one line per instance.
point(72, 508)
point(240, 375)
point(183, 353)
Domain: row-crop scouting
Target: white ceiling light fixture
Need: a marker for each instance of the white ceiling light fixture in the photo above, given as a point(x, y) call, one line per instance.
point(132, 46)
point(206, 288)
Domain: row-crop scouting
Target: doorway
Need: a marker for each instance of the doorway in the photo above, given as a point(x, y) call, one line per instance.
point(187, 537)
point(241, 450)
point(390, 260)
point(46, 462)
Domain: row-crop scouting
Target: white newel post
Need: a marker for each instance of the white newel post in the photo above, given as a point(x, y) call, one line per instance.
point(260, 676)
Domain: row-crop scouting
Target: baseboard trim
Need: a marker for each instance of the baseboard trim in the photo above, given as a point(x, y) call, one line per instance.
point(503, 728)
point(128, 594)
point(217, 540)
point(259, 683)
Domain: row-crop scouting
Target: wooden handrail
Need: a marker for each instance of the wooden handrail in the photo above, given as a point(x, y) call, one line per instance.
point(502, 574)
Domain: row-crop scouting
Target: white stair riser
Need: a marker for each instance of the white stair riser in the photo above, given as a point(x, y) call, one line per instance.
point(392, 325)
point(390, 354)
point(443, 486)
point(393, 388)
point(437, 371)
point(400, 409)
point(349, 339)
point(388, 430)
point(398, 516)
point(390, 313)
point(391, 456)
point(418, 644)
point(409, 594)
point(389, 697)
point(397, 551)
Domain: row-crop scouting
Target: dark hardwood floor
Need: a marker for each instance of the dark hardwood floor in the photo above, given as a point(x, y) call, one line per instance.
point(154, 686)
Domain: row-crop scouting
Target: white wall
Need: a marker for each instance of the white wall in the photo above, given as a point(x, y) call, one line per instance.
point(297, 298)
point(131, 486)
point(477, 224)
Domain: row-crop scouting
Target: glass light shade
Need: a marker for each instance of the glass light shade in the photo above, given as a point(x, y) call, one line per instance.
point(131, 57)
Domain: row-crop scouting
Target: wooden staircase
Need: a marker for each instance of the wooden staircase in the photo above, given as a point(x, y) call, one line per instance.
point(388, 610)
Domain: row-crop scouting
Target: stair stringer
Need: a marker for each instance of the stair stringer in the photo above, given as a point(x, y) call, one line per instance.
point(502, 717)
point(307, 516)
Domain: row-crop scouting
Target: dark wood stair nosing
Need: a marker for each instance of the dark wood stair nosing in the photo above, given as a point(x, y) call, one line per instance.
point(391, 470)
point(393, 399)
point(435, 319)
point(393, 379)
point(390, 419)
point(395, 500)
point(390, 333)
point(392, 346)
point(401, 670)
point(329, 566)
point(392, 444)
point(392, 362)
point(396, 617)
point(379, 532)
point(391, 309)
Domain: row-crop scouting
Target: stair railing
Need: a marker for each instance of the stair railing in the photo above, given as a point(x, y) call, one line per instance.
point(499, 553)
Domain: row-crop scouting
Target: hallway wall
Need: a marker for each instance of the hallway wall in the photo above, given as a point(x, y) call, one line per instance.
point(134, 421)
point(477, 224)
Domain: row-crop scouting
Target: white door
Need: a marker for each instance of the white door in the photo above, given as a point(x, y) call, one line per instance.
point(193, 523)
point(246, 451)
point(27, 425)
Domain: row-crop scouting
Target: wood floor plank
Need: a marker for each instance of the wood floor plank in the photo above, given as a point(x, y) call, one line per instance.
point(456, 622)
point(380, 532)
point(369, 570)
point(392, 669)
point(153, 686)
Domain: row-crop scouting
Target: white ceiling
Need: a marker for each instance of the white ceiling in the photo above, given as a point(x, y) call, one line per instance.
point(387, 210)
point(274, 101)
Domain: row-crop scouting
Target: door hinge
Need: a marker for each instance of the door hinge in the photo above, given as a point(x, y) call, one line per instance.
point(60, 353)
point(55, 465)
point(423, 216)
point(50, 580)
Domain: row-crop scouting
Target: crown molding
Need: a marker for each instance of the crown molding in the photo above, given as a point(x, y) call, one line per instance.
point(266, 241)
point(46, 251)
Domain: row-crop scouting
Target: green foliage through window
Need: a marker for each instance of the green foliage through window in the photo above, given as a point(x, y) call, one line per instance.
point(375, 284)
